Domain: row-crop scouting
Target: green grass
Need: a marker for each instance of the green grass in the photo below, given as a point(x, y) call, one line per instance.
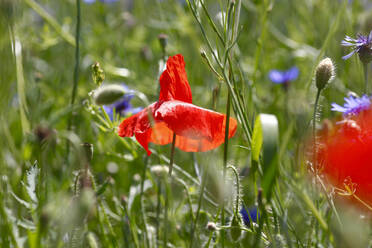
point(53, 193)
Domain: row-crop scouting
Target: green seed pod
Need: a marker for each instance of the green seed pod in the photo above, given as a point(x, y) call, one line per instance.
point(235, 230)
point(108, 94)
point(325, 72)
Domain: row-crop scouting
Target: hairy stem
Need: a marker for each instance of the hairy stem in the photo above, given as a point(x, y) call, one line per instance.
point(204, 179)
point(225, 152)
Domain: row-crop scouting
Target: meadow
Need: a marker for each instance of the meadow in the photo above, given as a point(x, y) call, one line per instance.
point(185, 123)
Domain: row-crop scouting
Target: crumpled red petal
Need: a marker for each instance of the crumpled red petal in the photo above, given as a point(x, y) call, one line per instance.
point(345, 152)
point(197, 129)
point(173, 81)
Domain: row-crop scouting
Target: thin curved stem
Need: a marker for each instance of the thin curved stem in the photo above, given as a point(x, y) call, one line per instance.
point(225, 152)
point(76, 68)
point(204, 179)
point(142, 203)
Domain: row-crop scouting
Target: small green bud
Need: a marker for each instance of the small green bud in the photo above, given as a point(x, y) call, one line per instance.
point(324, 72)
point(235, 230)
point(98, 74)
point(108, 94)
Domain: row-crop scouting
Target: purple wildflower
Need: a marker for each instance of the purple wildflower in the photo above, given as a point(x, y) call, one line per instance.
point(353, 105)
point(122, 106)
point(283, 77)
point(251, 214)
point(362, 45)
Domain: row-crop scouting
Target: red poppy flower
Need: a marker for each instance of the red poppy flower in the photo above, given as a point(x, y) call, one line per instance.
point(197, 129)
point(345, 155)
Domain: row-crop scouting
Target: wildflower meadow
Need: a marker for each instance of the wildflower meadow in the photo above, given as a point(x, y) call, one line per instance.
point(186, 123)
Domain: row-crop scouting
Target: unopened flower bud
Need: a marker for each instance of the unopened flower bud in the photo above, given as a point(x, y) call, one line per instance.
point(259, 196)
point(325, 71)
point(108, 94)
point(365, 54)
point(163, 39)
point(235, 230)
point(124, 199)
point(160, 170)
point(211, 226)
point(88, 149)
point(137, 177)
point(98, 74)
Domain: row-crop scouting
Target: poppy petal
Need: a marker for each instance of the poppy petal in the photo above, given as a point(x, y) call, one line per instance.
point(162, 135)
point(173, 81)
point(139, 125)
point(344, 154)
point(197, 129)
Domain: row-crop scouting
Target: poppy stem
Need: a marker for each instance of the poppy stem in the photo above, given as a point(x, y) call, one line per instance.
point(172, 154)
point(314, 127)
point(203, 182)
point(225, 150)
point(167, 190)
point(143, 215)
point(76, 70)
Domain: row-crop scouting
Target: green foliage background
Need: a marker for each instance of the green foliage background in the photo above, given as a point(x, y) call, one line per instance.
point(273, 35)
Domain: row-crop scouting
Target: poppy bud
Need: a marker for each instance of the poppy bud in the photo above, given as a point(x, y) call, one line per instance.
point(88, 148)
point(211, 226)
point(108, 94)
point(365, 54)
point(124, 200)
point(324, 72)
point(160, 170)
point(163, 39)
point(235, 230)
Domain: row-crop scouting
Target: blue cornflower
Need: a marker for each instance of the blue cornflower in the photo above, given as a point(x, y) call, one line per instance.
point(362, 45)
point(252, 213)
point(353, 105)
point(283, 77)
point(102, 1)
point(122, 106)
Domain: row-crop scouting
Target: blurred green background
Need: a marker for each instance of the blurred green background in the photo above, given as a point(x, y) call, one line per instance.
point(36, 76)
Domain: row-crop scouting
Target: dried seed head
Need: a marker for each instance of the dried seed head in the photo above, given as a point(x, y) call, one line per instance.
point(325, 72)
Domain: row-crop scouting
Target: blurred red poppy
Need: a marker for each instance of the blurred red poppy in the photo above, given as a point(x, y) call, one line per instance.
point(345, 156)
point(197, 129)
